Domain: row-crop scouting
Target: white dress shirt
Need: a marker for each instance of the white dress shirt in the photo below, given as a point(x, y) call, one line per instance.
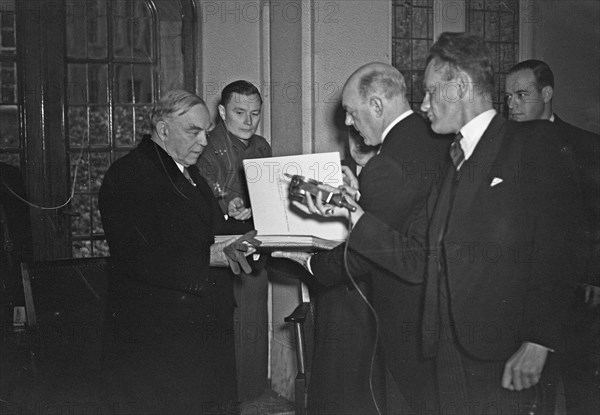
point(473, 131)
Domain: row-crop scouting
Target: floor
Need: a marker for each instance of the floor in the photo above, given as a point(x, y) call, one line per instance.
point(52, 390)
point(56, 391)
point(269, 403)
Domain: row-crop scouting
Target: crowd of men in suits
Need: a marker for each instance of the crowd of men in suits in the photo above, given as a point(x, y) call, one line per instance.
point(475, 238)
point(474, 273)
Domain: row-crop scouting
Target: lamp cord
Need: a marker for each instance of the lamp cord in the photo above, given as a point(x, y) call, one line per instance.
point(36, 206)
point(373, 312)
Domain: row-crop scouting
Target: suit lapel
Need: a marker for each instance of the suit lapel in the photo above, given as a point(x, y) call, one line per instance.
point(181, 187)
point(202, 188)
point(478, 169)
point(193, 196)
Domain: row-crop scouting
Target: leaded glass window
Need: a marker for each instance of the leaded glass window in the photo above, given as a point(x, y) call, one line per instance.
point(497, 21)
point(111, 83)
point(11, 147)
point(412, 36)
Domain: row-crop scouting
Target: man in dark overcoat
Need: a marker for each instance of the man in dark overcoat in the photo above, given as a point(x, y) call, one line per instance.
point(169, 345)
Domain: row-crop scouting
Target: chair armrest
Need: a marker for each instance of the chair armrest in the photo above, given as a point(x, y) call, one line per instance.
point(300, 314)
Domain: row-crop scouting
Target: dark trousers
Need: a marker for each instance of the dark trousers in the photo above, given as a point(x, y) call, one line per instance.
point(344, 346)
point(580, 366)
point(471, 386)
point(251, 333)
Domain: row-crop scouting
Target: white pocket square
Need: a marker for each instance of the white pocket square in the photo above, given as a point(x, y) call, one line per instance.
point(495, 181)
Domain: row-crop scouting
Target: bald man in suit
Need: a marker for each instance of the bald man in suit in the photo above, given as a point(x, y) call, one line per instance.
point(394, 185)
point(494, 245)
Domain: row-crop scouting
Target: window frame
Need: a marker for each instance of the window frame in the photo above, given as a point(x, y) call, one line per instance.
point(42, 99)
point(451, 16)
point(92, 241)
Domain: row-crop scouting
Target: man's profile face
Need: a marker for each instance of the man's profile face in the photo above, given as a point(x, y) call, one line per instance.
point(184, 136)
point(359, 115)
point(241, 115)
point(525, 101)
point(442, 102)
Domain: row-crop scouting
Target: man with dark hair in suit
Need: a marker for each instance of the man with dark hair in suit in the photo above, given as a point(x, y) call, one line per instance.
point(497, 240)
point(394, 185)
point(529, 92)
point(529, 89)
point(169, 346)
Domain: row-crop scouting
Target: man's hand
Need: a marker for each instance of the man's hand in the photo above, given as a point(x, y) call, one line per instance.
point(296, 256)
point(317, 206)
point(524, 368)
point(233, 252)
point(349, 178)
point(236, 209)
point(592, 295)
point(351, 192)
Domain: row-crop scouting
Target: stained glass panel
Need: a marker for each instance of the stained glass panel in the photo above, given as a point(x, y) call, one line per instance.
point(11, 146)
point(411, 38)
point(106, 107)
point(498, 23)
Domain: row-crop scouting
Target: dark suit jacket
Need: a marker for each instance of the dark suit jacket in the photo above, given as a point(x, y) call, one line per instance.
point(582, 331)
point(583, 150)
point(170, 342)
point(343, 344)
point(508, 248)
point(394, 185)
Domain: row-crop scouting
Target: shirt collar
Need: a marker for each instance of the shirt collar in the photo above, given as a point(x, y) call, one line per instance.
point(473, 131)
point(552, 118)
point(393, 123)
point(180, 166)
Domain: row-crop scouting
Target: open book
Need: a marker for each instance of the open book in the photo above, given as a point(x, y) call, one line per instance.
point(279, 223)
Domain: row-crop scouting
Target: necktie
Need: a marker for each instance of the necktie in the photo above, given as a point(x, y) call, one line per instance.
point(186, 173)
point(456, 152)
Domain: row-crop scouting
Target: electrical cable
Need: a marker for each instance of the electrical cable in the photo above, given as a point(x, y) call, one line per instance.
point(35, 206)
point(371, 308)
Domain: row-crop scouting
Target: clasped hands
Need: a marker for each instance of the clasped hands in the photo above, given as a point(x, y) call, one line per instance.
point(349, 189)
point(233, 252)
point(237, 210)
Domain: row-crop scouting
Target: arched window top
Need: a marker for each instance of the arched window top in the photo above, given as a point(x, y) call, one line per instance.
point(179, 27)
point(169, 10)
point(113, 60)
point(100, 29)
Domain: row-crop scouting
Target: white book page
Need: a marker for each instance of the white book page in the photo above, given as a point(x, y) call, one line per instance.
point(272, 210)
